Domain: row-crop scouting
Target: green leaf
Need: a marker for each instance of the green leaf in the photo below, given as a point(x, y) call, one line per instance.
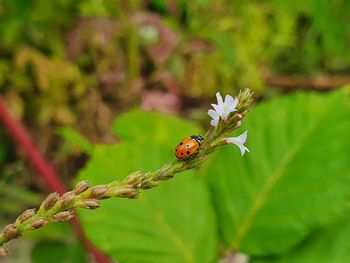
point(331, 245)
point(58, 232)
point(137, 127)
point(295, 178)
point(172, 223)
point(55, 251)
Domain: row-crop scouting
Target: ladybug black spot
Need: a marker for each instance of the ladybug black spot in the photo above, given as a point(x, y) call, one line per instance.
point(188, 152)
point(181, 143)
point(182, 153)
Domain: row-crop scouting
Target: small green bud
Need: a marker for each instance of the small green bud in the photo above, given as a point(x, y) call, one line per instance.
point(126, 192)
point(148, 184)
point(164, 175)
point(134, 178)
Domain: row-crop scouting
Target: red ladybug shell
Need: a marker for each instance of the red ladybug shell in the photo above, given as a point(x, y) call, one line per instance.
point(187, 147)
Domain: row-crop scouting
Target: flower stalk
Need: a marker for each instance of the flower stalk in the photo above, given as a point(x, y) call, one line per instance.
point(56, 208)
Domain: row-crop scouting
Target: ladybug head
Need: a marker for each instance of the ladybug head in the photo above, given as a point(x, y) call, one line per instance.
point(198, 138)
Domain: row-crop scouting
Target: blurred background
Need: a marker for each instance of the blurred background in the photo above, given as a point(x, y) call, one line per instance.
point(68, 69)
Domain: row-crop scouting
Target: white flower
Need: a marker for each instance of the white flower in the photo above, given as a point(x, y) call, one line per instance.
point(222, 109)
point(239, 142)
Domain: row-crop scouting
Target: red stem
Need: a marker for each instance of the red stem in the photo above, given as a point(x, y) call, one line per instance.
point(44, 170)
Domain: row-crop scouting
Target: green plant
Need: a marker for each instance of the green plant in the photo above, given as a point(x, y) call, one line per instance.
point(309, 193)
point(57, 208)
point(285, 199)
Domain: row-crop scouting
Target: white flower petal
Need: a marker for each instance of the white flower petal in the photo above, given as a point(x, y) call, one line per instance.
point(243, 137)
point(224, 116)
point(243, 149)
point(239, 142)
point(234, 103)
point(220, 106)
point(217, 108)
point(214, 122)
point(228, 100)
point(213, 114)
point(223, 108)
point(219, 99)
point(230, 103)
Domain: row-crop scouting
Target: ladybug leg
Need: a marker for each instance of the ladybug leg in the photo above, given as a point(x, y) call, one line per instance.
point(195, 154)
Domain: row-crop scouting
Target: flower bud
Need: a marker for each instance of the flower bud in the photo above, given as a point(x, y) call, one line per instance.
point(89, 204)
point(29, 213)
point(163, 174)
point(67, 199)
point(149, 184)
point(238, 125)
point(134, 178)
point(98, 191)
point(50, 201)
point(39, 223)
point(10, 232)
point(239, 116)
point(81, 187)
point(63, 216)
point(4, 251)
point(126, 192)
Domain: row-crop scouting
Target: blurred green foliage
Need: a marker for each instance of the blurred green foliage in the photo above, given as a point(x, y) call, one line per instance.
point(57, 252)
point(74, 140)
point(54, 55)
point(55, 243)
point(326, 245)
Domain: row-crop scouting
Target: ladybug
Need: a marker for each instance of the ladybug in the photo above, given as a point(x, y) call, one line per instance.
point(188, 147)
